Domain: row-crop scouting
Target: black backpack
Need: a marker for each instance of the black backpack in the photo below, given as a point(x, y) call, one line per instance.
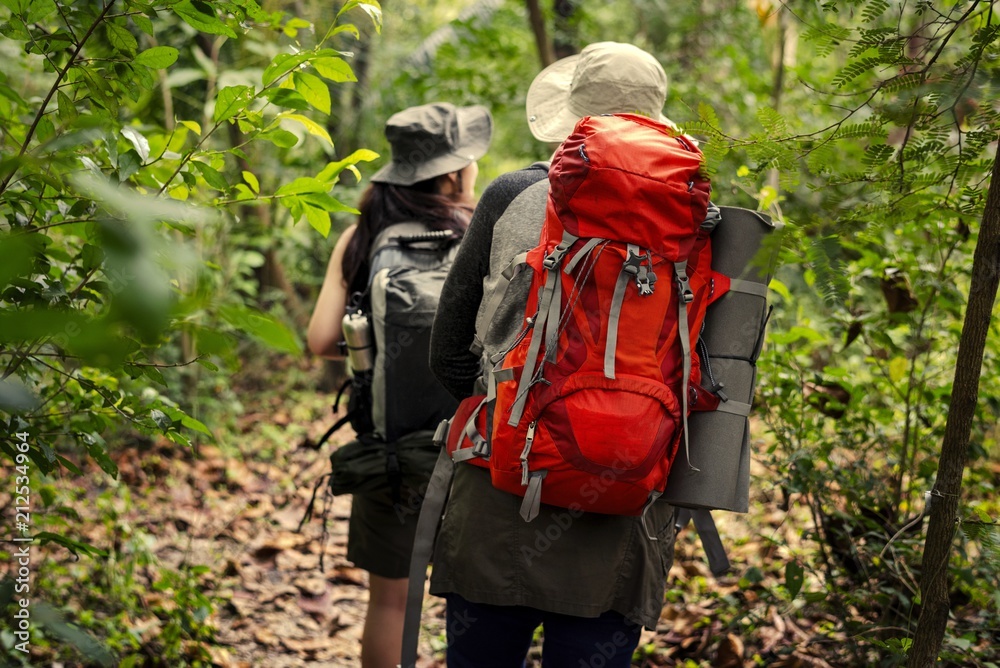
point(398, 396)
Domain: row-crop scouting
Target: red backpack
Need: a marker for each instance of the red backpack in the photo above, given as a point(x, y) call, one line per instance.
point(588, 406)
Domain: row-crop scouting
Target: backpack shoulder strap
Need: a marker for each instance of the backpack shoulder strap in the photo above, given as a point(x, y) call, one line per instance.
point(423, 547)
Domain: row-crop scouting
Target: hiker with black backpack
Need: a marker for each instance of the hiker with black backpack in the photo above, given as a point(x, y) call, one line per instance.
point(592, 580)
point(412, 216)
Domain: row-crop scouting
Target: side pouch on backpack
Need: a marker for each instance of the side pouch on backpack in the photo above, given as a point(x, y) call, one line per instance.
point(467, 429)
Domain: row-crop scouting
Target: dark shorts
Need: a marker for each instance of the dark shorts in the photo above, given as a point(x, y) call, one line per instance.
point(380, 534)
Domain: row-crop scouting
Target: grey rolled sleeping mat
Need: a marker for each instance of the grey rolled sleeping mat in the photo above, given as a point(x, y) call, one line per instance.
point(744, 249)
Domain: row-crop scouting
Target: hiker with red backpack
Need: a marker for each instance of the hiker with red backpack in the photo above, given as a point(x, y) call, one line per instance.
point(557, 327)
point(412, 215)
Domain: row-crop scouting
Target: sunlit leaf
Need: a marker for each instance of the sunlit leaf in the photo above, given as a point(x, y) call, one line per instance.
point(230, 101)
point(158, 57)
point(121, 38)
point(335, 69)
point(319, 219)
point(281, 138)
point(192, 126)
point(252, 180)
point(201, 15)
point(314, 90)
point(282, 64)
point(311, 126)
point(303, 184)
point(263, 327)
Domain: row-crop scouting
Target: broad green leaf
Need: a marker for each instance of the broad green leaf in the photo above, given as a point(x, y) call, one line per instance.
point(781, 289)
point(45, 537)
point(243, 193)
point(211, 175)
point(330, 172)
point(201, 15)
point(16, 6)
point(138, 141)
point(230, 101)
point(39, 10)
point(319, 219)
point(283, 63)
point(336, 70)
point(98, 449)
point(208, 365)
point(143, 23)
point(347, 27)
point(252, 180)
point(158, 57)
point(287, 98)
point(311, 126)
point(794, 577)
point(303, 184)
point(327, 202)
point(67, 110)
point(291, 28)
point(121, 38)
point(314, 90)
point(192, 126)
point(372, 8)
point(263, 327)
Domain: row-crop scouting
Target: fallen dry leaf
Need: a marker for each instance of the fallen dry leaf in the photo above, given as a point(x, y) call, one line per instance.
point(730, 653)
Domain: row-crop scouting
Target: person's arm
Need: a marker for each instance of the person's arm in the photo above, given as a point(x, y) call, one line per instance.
point(325, 325)
point(455, 323)
point(454, 328)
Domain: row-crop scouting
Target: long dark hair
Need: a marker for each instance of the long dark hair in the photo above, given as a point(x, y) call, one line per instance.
point(383, 204)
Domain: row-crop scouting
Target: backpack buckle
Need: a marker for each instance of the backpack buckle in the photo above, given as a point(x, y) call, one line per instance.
point(684, 291)
point(553, 259)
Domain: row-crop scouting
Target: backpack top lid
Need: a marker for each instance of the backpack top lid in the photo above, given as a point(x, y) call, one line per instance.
point(629, 178)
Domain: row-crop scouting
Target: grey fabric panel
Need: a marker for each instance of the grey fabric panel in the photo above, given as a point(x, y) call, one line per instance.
point(743, 248)
point(405, 396)
point(720, 447)
point(516, 231)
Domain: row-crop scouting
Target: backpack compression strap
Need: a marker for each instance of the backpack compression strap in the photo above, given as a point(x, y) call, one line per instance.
point(718, 562)
point(684, 297)
point(546, 320)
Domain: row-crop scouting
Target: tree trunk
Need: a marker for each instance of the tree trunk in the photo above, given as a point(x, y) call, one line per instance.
point(564, 36)
point(545, 53)
point(934, 583)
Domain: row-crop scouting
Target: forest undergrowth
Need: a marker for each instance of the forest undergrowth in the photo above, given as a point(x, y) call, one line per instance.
point(204, 564)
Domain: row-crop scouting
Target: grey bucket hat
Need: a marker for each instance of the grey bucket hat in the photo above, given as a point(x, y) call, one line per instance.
point(434, 139)
point(604, 78)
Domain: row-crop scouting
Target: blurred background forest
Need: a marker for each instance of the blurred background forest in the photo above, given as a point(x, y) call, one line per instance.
point(174, 174)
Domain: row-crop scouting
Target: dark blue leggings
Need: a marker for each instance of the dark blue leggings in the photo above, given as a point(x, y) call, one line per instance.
point(497, 636)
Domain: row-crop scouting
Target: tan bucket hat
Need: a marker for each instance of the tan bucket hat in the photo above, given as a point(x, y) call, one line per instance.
point(434, 139)
point(604, 78)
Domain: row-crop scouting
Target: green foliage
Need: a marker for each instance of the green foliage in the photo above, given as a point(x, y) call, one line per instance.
point(139, 142)
point(112, 182)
